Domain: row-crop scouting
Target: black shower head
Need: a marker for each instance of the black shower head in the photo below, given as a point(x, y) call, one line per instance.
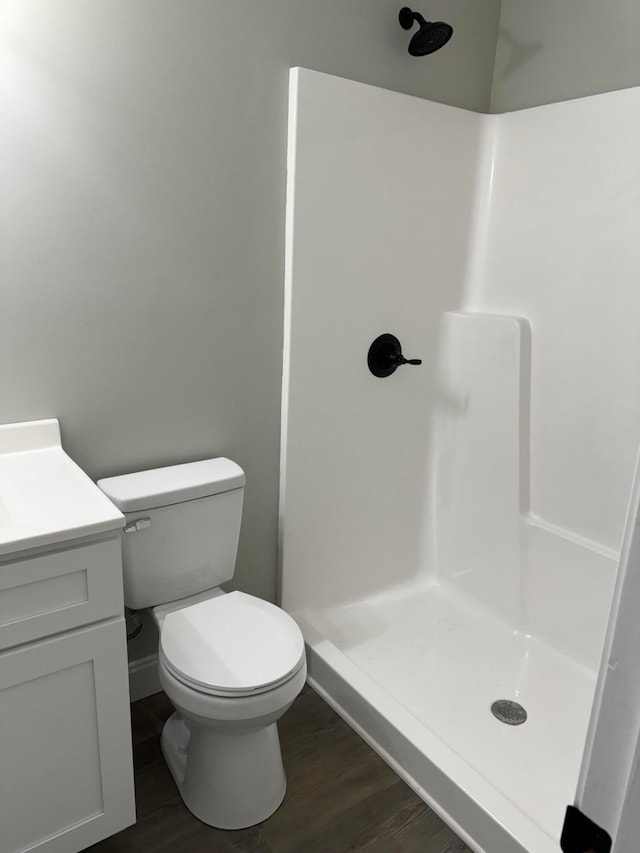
point(430, 37)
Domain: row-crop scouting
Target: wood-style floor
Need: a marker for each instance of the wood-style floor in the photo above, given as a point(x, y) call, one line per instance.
point(340, 796)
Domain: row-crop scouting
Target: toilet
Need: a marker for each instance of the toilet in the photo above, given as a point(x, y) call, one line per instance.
point(230, 663)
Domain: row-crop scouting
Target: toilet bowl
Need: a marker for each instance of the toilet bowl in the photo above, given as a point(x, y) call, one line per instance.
point(231, 666)
point(230, 663)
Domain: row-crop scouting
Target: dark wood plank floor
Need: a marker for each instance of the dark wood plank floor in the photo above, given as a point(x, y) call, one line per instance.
point(340, 797)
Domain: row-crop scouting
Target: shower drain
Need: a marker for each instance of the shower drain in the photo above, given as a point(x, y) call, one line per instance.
point(509, 712)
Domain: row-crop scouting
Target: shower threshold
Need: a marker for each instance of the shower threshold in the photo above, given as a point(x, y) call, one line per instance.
point(416, 670)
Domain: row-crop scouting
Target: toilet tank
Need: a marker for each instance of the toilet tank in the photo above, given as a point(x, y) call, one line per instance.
point(181, 530)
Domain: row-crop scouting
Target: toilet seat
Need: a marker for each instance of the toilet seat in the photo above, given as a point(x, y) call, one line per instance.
point(232, 645)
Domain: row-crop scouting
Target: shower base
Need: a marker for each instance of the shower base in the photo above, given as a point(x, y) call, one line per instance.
point(416, 670)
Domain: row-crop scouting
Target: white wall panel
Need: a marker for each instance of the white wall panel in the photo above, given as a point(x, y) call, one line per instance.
point(379, 216)
point(563, 250)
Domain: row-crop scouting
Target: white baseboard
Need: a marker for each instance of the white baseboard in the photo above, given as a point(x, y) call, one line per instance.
point(143, 678)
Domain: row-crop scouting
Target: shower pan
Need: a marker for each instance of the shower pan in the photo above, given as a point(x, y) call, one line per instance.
point(453, 539)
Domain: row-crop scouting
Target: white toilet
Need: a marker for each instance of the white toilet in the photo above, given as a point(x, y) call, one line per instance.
point(231, 664)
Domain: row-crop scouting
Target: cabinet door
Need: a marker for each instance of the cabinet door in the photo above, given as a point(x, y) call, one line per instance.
point(66, 776)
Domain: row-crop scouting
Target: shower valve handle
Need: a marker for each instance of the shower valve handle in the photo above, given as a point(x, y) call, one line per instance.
point(398, 359)
point(385, 356)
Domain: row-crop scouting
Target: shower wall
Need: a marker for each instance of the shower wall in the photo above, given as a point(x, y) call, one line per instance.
point(379, 224)
point(562, 249)
point(555, 443)
point(502, 250)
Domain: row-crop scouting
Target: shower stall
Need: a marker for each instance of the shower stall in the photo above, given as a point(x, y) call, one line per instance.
point(460, 533)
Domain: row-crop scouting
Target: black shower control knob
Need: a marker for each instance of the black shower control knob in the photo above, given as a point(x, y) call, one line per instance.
point(385, 356)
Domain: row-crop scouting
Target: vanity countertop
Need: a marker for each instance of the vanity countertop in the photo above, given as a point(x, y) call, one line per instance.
point(45, 498)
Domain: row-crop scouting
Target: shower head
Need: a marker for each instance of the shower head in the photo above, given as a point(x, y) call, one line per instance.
point(430, 37)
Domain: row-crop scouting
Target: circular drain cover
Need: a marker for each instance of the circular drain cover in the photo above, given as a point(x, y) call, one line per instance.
point(509, 712)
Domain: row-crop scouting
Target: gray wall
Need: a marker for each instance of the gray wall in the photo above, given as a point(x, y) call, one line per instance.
point(552, 51)
point(142, 210)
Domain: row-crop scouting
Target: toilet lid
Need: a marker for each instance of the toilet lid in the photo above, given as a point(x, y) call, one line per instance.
point(231, 645)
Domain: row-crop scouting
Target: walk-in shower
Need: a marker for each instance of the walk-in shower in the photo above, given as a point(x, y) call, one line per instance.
point(450, 536)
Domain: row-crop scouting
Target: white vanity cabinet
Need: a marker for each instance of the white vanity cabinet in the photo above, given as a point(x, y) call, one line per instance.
point(66, 774)
point(66, 778)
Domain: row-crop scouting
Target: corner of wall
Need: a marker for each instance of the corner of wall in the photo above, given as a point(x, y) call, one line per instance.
point(496, 57)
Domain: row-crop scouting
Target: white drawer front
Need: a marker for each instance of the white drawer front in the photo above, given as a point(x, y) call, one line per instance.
point(55, 592)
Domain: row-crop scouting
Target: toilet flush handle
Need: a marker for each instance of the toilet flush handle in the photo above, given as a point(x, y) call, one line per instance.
point(138, 524)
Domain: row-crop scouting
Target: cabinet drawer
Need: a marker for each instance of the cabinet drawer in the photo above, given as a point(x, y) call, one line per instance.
point(55, 592)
